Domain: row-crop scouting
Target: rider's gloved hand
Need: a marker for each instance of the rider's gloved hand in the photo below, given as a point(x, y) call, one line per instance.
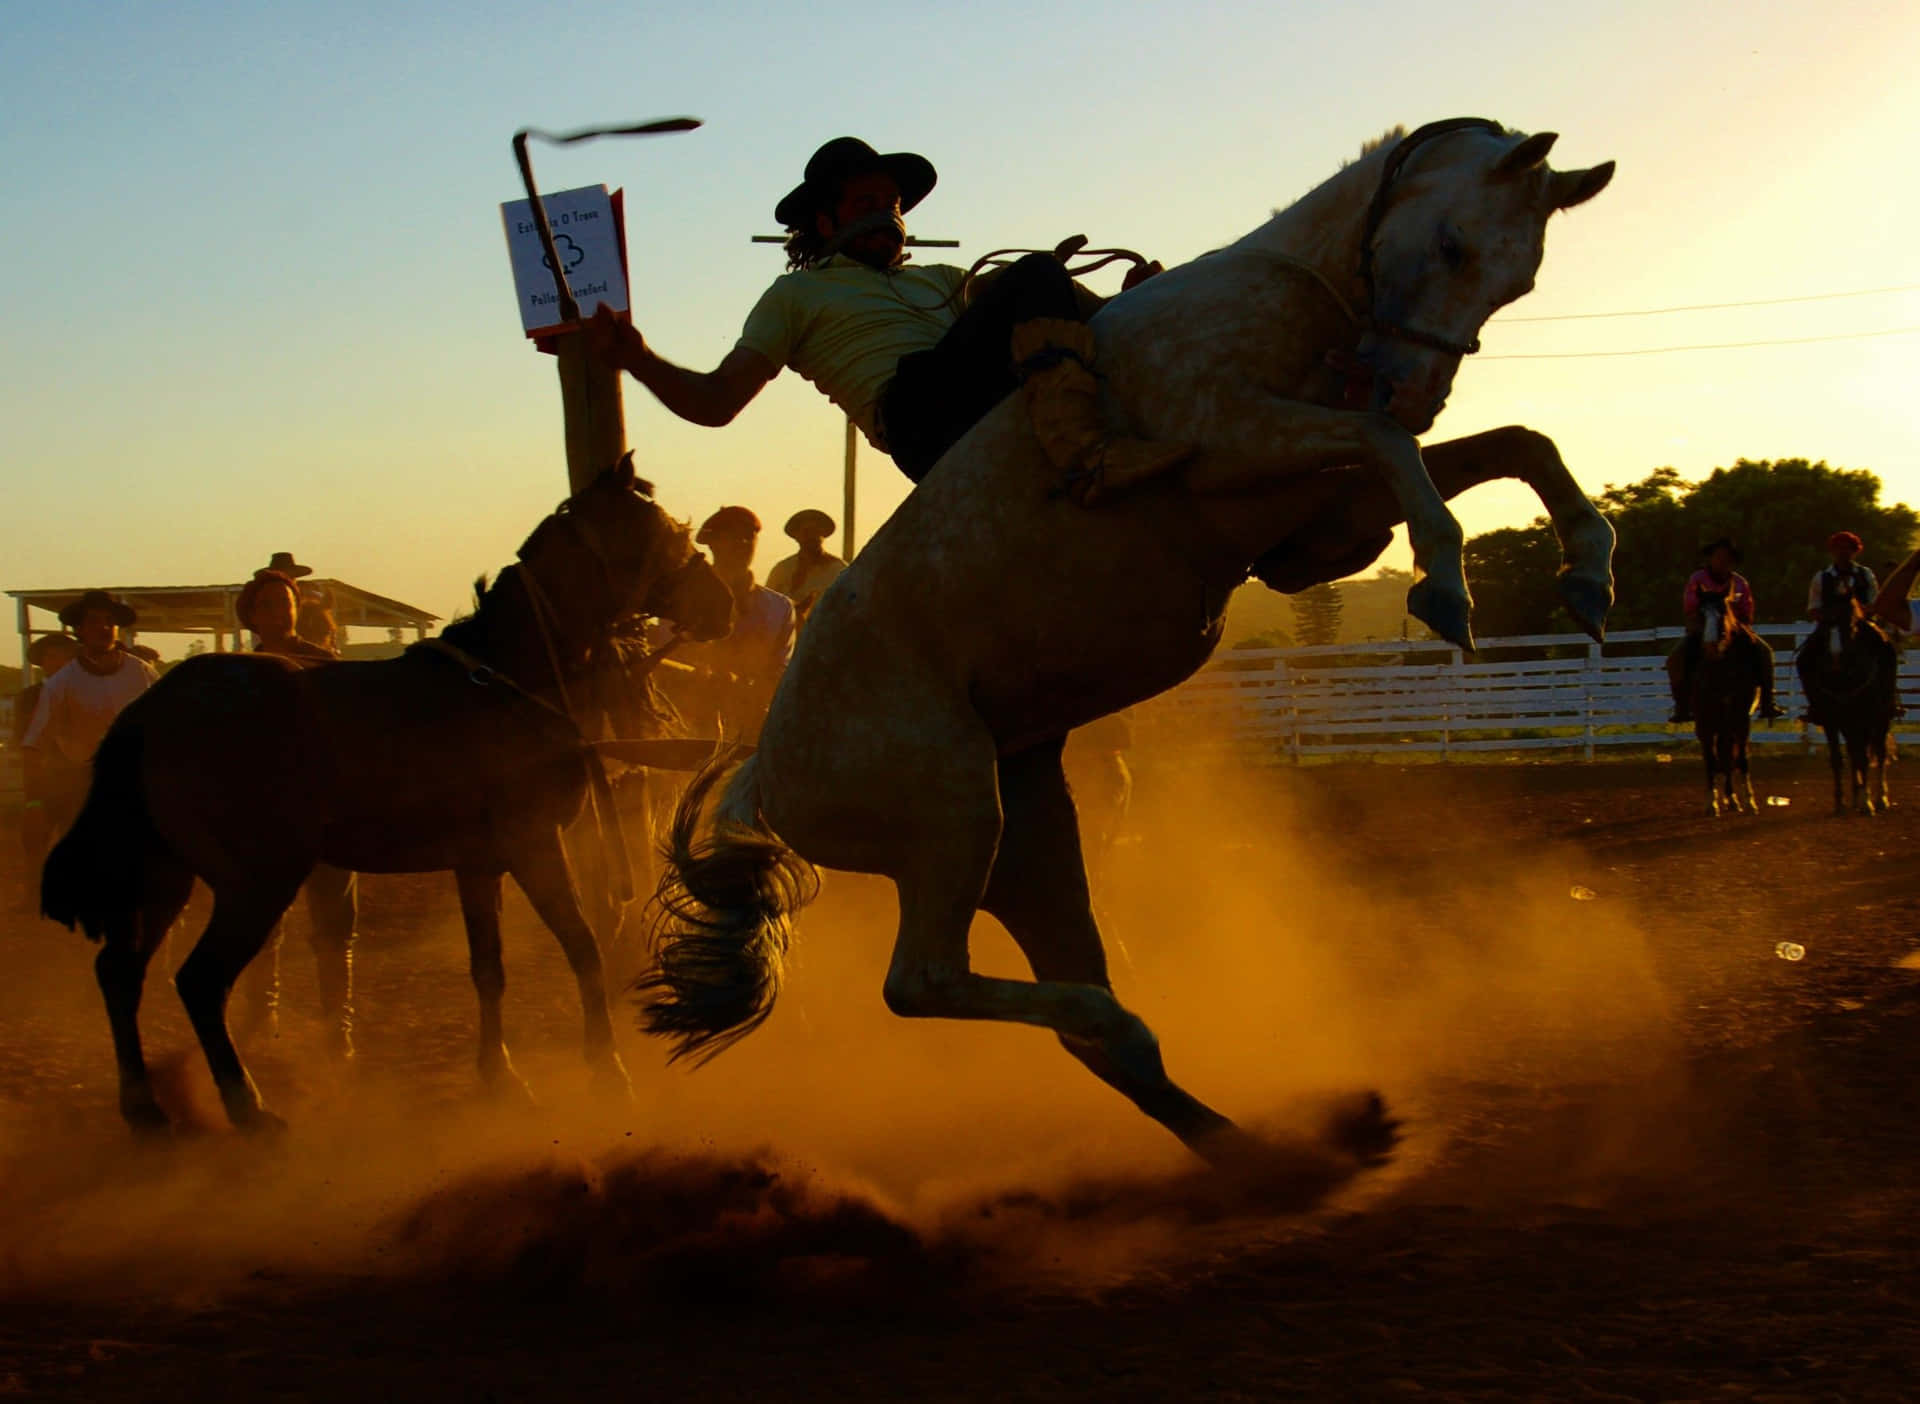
point(1139, 274)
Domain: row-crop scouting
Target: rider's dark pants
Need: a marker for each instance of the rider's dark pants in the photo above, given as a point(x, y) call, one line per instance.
point(938, 394)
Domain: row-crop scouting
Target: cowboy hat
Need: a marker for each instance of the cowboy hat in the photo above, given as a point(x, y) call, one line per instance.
point(284, 563)
point(842, 158)
point(809, 517)
point(1722, 543)
point(728, 521)
point(122, 613)
point(38, 650)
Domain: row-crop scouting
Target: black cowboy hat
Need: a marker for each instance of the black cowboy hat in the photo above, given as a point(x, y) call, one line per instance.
point(284, 563)
point(122, 613)
point(842, 158)
point(1717, 543)
point(809, 517)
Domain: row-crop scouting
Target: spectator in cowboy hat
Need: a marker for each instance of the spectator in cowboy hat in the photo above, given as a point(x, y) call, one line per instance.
point(49, 653)
point(79, 703)
point(269, 605)
point(914, 355)
point(733, 679)
point(803, 575)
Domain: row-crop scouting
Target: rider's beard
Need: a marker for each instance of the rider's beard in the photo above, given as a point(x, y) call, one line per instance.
point(878, 239)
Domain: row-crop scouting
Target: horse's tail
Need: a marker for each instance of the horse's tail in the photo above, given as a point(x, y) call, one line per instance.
point(92, 876)
point(722, 917)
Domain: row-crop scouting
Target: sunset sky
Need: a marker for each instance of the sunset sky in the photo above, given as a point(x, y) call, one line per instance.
point(260, 297)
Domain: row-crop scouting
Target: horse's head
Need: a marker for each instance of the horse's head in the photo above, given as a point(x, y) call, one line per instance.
point(1456, 231)
point(608, 552)
point(695, 599)
point(1717, 626)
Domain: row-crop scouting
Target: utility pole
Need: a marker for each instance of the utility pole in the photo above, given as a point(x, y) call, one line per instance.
point(850, 469)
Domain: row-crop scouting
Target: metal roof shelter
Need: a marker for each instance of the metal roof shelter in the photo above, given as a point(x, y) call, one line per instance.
point(208, 609)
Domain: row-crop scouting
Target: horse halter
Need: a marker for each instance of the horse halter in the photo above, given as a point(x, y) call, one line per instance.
point(1377, 212)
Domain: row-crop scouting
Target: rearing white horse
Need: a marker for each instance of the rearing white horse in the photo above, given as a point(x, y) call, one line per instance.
point(918, 732)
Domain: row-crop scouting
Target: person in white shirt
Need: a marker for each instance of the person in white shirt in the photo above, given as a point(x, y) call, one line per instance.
point(802, 576)
point(79, 703)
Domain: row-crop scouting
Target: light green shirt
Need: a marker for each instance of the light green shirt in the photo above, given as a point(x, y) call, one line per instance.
point(845, 326)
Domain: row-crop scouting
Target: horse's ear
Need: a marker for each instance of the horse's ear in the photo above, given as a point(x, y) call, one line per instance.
point(1565, 189)
point(622, 472)
point(1526, 155)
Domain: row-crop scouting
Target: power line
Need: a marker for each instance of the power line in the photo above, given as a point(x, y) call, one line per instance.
point(1708, 346)
point(1717, 306)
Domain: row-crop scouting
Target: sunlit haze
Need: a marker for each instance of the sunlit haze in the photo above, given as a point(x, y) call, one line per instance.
point(260, 298)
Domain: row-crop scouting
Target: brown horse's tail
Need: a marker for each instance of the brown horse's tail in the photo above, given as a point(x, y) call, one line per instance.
point(92, 876)
point(722, 917)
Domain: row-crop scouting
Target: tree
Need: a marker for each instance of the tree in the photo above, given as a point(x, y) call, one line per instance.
point(1316, 614)
point(1780, 512)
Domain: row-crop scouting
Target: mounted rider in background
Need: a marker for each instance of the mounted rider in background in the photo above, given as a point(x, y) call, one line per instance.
point(914, 355)
point(1837, 591)
point(1719, 577)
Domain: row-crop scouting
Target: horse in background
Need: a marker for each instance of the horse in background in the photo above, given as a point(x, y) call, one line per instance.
point(1725, 687)
point(1854, 693)
point(462, 754)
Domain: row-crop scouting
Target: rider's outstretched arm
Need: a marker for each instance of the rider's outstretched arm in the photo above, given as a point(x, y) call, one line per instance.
point(712, 398)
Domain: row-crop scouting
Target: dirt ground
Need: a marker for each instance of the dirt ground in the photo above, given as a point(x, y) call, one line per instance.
point(1644, 1156)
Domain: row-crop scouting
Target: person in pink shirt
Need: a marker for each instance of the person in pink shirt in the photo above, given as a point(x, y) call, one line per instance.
point(1718, 577)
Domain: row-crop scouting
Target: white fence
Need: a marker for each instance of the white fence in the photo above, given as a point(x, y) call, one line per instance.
point(1535, 692)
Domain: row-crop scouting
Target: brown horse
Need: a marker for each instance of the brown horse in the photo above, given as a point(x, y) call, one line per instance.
point(245, 771)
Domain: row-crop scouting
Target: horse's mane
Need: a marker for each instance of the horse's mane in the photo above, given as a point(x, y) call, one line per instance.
point(1387, 138)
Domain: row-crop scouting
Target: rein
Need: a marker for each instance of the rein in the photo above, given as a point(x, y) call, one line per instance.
point(1357, 389)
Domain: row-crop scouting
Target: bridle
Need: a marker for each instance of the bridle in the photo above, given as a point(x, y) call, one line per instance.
point(1377, 212)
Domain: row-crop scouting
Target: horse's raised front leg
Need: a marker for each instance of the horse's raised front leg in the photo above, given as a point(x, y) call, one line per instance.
point(480, 908)
point(1586, 537)
point(1262, 441)
point(538, 862)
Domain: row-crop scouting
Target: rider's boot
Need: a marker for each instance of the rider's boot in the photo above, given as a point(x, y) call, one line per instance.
point(1054, 359)
point(1680, 680)
point(1769, 711)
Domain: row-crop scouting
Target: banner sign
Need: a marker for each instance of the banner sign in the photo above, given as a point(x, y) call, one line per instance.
point(586, 235)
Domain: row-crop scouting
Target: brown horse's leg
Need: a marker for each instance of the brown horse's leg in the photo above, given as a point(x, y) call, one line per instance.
point(1038, 891)
point(332, 910)
point(539, 864)
point(1833, 761)
point(480, 906)
point(121, 969)
point(243, 920)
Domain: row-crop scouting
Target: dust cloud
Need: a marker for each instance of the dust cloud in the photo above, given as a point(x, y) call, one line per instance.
point(1295, 939)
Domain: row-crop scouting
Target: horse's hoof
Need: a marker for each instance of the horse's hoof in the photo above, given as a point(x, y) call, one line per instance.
point(1588, 601)
point(261, 1122)
point(1364, 1129)
point(610, 1080)
point(146, 1121)
point(1449, 613)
